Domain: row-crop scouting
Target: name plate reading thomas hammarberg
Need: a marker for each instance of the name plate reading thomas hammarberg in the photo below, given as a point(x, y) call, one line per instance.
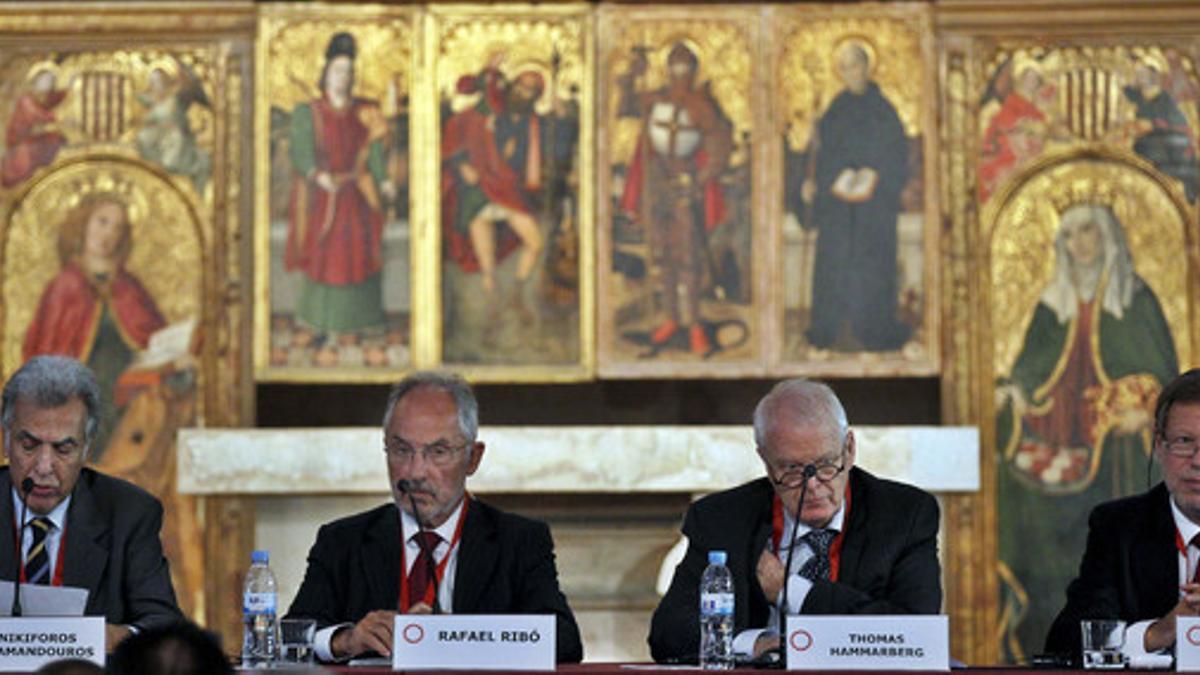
point(479, 642)
point(1187, 643)
point(868, 643)
point(28, 643)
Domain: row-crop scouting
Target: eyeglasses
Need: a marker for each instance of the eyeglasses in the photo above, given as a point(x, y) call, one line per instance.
point(438, 454)
point(793, 476)
point(1182, 446)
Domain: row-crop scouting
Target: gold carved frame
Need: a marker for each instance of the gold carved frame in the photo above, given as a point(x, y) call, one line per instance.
point(224, 362)
point(969, 33)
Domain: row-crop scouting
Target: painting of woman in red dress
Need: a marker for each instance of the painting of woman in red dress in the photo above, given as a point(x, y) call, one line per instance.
point(97, 311)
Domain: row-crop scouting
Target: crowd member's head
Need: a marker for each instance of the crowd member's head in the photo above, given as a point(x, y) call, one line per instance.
point(801, 424)
point(70, 667)
point(177, 649)
point(429, 432)
point(50, 414)
point(1176, 439)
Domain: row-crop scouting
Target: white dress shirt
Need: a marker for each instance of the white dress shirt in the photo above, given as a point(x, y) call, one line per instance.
point(58, 516)
point(322, 641)
point(1135, 634)
point(797, 586)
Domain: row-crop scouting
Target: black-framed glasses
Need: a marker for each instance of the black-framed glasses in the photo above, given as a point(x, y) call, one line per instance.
point(793, 475)
point(438, 454)
point(1181, 446)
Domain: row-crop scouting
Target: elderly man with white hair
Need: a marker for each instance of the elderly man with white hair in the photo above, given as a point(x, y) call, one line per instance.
point(863, 545)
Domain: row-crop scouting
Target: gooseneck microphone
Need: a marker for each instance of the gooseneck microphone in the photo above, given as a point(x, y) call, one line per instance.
point(808, 472)
point(26, 488)
point(406, 487)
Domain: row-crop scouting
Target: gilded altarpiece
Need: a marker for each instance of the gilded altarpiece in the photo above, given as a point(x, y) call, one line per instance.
point(122, 205)
point(681, 278)
point(335, 231)
point(854, 189)
point(507, 144)
point(1069, 173)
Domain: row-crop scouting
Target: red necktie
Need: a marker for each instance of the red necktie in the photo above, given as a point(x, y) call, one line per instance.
point(420, 578)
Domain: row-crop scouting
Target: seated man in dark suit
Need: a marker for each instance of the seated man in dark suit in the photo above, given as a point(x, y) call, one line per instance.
point(110, 527)
point(466, 557)
point(1142, 551)
point(863, 545)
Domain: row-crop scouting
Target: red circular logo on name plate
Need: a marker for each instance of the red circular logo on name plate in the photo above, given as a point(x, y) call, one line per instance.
point(413, 633)
point(801, 640)
point(1193, 635)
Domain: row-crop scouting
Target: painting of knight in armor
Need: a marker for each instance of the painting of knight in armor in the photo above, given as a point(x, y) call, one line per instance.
point(334, 269)
point(513, 94)
point(858, 260)
point(678, 283)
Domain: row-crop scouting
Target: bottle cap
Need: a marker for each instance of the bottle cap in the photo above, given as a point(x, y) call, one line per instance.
point(263, 557)
point(716, 557)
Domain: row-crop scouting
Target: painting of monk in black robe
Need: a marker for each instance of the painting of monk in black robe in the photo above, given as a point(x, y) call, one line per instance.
point(857, 169)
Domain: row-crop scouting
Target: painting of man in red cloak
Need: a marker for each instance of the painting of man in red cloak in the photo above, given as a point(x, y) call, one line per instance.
point(673, 192)
point(33, 137)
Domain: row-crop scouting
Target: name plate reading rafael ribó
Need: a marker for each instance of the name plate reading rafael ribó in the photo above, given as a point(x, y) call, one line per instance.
point(1187, 643)
point(868, 643)
point(28, 643)
point(477, 642)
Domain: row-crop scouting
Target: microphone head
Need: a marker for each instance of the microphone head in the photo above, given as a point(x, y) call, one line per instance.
point(809, 471)
point(404, 485)
point(27, 485)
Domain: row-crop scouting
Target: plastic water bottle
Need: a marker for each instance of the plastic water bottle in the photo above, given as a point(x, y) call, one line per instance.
point(716, 614)
point(258, 614)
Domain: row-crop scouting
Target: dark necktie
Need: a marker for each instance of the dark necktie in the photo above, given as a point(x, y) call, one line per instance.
point(816, 568)
point(37, 561)
point(420, 578)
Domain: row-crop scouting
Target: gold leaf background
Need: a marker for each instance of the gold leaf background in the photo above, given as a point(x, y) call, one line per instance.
point(16, 75)
point(1022, 249)
point(296, 53)
point(723, 49)
point(466, 45)
point(808, 79)
point(166, 255)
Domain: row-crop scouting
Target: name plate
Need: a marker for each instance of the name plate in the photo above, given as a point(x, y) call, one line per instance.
point(868, 643)
point(478, 642)
point(1187, 643)
point(28, 643)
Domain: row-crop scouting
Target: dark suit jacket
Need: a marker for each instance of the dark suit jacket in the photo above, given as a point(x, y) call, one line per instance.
point(505, 566)
point(889, 562)
point(1130, 569)
point(113, 550)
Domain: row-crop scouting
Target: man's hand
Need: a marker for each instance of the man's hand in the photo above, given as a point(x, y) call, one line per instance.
point(372, 634)
point(808, 190)
point(766, 642)
point(1161, 633)
point(469, 175)
point(113, 634)
point(420, 608)
point(770, 575)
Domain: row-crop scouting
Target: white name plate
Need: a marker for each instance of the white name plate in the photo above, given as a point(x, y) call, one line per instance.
point(478, 642)
point(1187, 643)
point(28, 643)
point(868, 643)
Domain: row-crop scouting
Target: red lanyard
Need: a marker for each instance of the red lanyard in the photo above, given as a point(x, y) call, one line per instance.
point(1183, 551)
point(57, 580)
point(835, 549)
point(440, 570)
